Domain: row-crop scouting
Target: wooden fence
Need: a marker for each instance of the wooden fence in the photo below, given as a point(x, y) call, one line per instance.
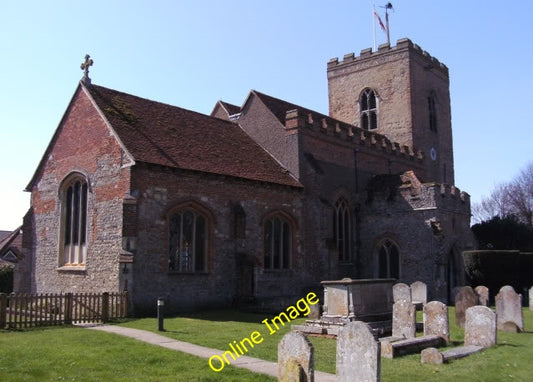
point(21, 310)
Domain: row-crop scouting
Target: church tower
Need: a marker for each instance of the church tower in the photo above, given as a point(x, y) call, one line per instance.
point(401, 92)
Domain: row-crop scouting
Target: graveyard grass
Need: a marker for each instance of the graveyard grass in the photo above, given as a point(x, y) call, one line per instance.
point(77, 354)
point(510, 360)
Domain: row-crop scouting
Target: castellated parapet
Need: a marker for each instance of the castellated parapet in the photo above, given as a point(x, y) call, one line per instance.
point(406, 192)
point(386, 48)
point(315, 122)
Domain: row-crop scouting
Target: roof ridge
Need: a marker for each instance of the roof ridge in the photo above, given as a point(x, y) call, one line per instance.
point(154, 101)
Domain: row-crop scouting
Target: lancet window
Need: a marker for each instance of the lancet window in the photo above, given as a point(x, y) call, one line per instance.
point(432, 112)
point(74, 221)
point(342, 230)
point(389, 260)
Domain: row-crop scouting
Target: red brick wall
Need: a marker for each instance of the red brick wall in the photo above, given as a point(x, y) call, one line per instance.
point(84, 144)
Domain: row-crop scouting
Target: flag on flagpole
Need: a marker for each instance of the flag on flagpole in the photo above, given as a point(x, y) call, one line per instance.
point(380, 22)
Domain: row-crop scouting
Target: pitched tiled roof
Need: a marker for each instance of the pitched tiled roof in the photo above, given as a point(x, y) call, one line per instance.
point(231, 109)
point(279, 107)
point(4, 234)
point(12, 241)
point(170, 136)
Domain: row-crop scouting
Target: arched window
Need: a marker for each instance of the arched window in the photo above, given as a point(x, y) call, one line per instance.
point(239, 222)
point(368, 108)
point(188, 240)
point(277, 236)
point(342, 230)
point(432, 112)
point(74, 221)
point(389, 260)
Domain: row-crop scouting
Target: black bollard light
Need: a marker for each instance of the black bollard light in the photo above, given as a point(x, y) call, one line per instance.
point(160, 313)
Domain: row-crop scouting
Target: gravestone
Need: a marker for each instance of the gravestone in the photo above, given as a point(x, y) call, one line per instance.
point(482, 293)
point(531, 298)
point(358, 354)
point(401, 291)
point(314, 314)
point(403, 319)
point(464, 300)
point(509, 310)
point(419, 292)
point(432, 356)
point(480, 326)
point(436, 320)
point(295, 358)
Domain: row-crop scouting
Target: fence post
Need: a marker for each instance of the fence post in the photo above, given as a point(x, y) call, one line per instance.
point(68, 308)
point(3, 310)
point(105, 307)
point(126, 306)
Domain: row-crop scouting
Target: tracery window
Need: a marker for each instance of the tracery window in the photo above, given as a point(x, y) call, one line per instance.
point(342, 230)
point(74, 221)
point(389, 260)
point(368, 109)
point(277, 236)
point(188, 236)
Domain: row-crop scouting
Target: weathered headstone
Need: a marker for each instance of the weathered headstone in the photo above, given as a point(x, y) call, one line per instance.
point(358, 354)
point(295, 358)
point(531, 298)
point(436, 320)
point(464, 300)
point(432, 356)
point(482, 293)
point(314, 314)
point(401, 291)
point(509, 310)
point(480, 326)
point(419, 292)
point(403, 319)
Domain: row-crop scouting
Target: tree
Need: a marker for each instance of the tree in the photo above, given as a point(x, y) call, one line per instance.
point(514, 198)
point(520, 194)
point(497, 204)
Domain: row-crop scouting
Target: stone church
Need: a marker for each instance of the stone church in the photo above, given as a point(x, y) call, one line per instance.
point(256, 203)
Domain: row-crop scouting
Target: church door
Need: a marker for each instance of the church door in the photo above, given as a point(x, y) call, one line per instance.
point(245, 273)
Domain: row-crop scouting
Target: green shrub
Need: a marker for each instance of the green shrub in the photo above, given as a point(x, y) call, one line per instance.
point(493, 269)
point(6, 279)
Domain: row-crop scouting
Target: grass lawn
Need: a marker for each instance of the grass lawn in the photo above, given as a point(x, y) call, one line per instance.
point(510, 360)
point(76, 354)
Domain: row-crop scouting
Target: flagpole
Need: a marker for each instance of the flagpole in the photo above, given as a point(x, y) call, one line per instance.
point(374, 25)
point(387, 21)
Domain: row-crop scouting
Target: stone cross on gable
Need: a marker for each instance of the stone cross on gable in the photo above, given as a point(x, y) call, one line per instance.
point(85, 67)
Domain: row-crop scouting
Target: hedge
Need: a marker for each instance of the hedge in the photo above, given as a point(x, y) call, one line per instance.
point(496, 268)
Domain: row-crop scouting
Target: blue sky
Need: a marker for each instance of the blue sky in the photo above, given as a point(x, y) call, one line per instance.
point(191, 53)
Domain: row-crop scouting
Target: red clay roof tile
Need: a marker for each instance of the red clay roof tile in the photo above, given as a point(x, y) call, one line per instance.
point(162, 134)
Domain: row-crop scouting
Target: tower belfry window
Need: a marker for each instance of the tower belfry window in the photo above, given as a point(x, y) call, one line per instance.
point(368, 108)
point(432, 111)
